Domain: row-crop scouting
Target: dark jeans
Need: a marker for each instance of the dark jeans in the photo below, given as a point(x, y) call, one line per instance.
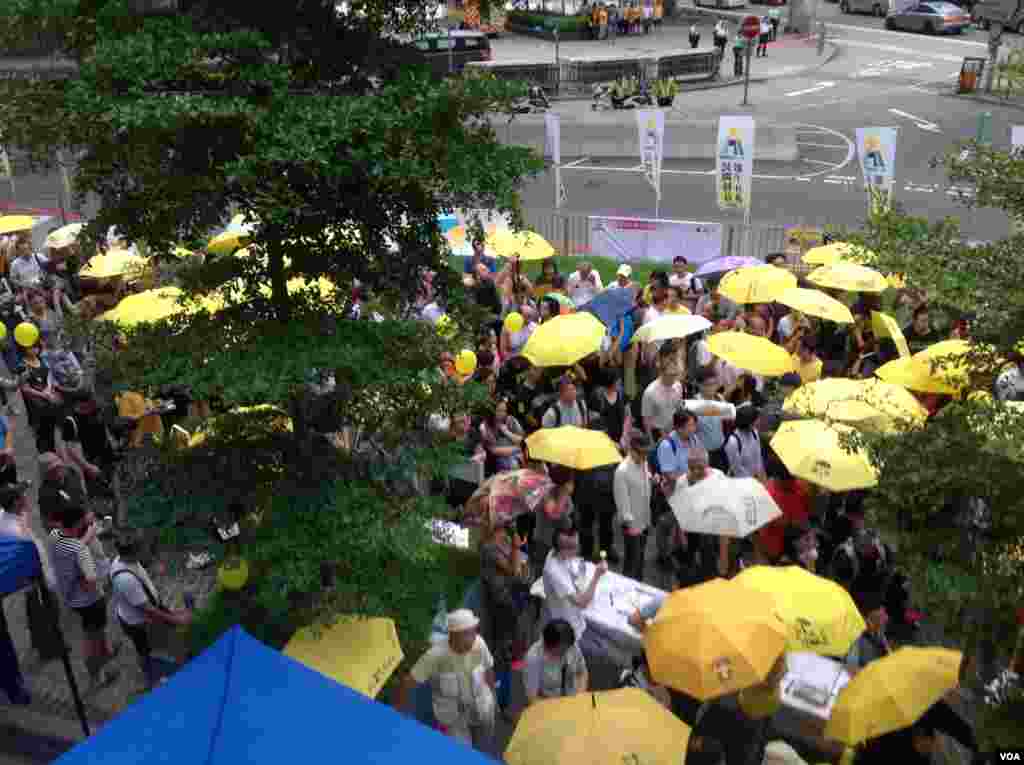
point(775, 30)
point(635, 546)
point(11, 680)
point(737, 64)
point(595, 502)
point(139, 635)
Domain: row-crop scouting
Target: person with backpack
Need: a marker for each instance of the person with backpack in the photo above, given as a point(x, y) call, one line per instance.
point(136, 602)
point(743, 446)
point(568, 408)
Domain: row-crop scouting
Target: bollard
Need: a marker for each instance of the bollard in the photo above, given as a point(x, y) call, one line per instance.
point(821, 38)
point(984, 134)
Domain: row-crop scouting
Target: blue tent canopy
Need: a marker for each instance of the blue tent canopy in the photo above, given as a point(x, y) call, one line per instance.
point(242, 702)
point(19, 564)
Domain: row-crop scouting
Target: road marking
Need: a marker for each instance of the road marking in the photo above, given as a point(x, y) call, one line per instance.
point(822, 145)
point(819, 162)
point(815, 89)
point(907, 51)
point(921, 122)
point(895, 33)
point(884, 67)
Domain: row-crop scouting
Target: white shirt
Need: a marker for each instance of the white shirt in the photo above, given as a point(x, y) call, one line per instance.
point(563, 580)
point(766, 26)
point(1010, 384)
point(687, 281)
point(632, 491)
point(127, 592)
point(13, 525)
point(584, 290)
point(660, 402)
point(26, 271)
point(704, 355)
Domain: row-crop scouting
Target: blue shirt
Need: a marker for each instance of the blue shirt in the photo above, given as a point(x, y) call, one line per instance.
point(491, 263)
point(628, 328)
point(675, 460)
point(709, 429)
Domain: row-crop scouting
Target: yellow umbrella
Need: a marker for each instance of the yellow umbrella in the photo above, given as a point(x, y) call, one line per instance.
point(672, 326)
point(885, 325)
point(65, 236)
point(892, 693)
point(827, 254)
point(816, 303)
point(820, 615)
point(151, 305)
point(713, 639)
point(357, 652)
point(756, 284)
point(621, 727)
point(756, 354)
point(113, 263)
point(578, 448)
point(810, 449)
point(848, 276)
point(10, 224)
point(916, 375)
point(564, 340)
point(862, 402)
point(525, 245)
point(269, 418)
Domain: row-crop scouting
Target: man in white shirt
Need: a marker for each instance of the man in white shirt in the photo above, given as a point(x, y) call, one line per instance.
point(26, 270)
point(660, 401)
point(461, 675)
point(584, 284)
point(568, 593)
point(136, 602)
point(632, 491)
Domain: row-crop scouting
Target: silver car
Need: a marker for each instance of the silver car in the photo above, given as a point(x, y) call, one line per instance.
point(933, 18)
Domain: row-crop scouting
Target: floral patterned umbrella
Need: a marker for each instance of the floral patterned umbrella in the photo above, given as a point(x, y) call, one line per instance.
point(506, 496)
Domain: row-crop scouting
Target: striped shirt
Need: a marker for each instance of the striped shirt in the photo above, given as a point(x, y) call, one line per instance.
point(73, 562)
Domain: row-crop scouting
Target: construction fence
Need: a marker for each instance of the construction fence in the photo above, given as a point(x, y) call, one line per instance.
point(570, 234)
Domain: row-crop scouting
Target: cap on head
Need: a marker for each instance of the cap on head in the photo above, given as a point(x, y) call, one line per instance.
point(461, 620)
point(625, 270)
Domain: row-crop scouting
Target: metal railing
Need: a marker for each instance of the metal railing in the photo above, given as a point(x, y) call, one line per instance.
point(570, 234)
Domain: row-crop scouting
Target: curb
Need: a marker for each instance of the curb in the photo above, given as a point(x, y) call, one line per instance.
point(987, 99)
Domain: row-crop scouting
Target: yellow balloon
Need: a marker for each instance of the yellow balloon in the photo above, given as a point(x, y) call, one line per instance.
point(233, 576)
point(26, 334)
point(465, 363)
point(514, 322)
point(3, 331)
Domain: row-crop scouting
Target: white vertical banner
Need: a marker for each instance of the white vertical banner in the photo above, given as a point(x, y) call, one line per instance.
point(553, 149)
point(1017, 138)
point(876, 149)
point(553, 137)
point(734, 171)
point(650, 125)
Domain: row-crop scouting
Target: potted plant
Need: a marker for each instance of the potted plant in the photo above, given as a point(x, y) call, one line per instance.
point(665, 91)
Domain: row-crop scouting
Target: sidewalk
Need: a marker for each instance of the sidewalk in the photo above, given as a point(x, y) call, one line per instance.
point(789, 56)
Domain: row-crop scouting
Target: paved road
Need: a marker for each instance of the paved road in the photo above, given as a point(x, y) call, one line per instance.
point(877, 78)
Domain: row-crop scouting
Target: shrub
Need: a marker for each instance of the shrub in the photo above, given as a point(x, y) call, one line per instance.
point(547, 21)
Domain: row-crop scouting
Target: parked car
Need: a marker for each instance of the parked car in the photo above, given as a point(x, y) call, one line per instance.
point(1009, 13)
point(432, 50)
point(878, 8)
point(930, 17)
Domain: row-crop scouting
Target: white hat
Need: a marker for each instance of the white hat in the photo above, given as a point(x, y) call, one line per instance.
point(625, 270)
point(462, 620)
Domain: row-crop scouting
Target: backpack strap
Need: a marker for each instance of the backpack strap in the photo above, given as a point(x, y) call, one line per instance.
point(149, 593)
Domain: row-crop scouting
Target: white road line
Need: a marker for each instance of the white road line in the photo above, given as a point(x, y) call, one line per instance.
point(898, 49)
point(815, 89)
point(921, 122)
point(894, 34)
point(819, 162)
point(821, 145)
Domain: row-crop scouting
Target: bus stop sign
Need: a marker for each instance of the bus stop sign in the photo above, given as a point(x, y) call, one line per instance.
point(751, 27)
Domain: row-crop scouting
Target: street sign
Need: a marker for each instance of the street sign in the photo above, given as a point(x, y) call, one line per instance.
point(751, 27)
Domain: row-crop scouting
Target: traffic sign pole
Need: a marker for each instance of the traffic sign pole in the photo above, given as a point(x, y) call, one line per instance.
point(750, 29)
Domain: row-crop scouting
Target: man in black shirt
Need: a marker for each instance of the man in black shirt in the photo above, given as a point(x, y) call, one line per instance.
point(920, 333)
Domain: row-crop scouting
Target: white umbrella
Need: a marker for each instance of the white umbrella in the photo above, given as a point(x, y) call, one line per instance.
point(669, 327)
point(723, 506)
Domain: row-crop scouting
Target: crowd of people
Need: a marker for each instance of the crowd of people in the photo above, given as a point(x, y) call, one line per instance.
point(606, 20)
point(680, 415)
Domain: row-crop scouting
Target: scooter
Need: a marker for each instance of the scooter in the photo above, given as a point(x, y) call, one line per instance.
point(535, 102)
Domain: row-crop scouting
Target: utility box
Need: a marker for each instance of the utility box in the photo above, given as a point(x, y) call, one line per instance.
point(970, 74)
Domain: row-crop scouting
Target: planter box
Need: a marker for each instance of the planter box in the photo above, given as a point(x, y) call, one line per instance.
point(544, 33)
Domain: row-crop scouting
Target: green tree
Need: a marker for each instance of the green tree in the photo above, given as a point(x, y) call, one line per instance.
point(930, 478)
point(270, 110)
